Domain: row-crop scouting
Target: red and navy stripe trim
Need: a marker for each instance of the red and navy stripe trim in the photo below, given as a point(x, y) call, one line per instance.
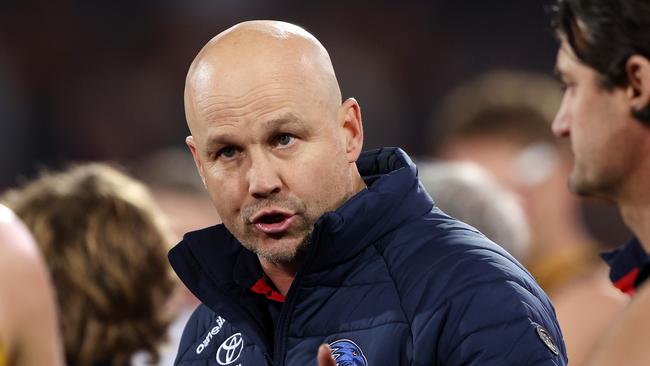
point(629, 266)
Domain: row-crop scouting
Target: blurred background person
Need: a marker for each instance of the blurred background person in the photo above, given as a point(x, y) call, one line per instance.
point(29, 330)
point(105, 244)
point(468, 192)
point(179, 192)
point(501, 120)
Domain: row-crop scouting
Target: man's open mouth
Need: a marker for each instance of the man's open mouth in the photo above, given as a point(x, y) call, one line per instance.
point(273, 222)
point(272, 219)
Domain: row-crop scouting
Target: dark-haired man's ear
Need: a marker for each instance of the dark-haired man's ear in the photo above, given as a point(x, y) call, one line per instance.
point(638, 76)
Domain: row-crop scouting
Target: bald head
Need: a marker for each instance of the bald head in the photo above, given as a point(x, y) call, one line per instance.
point(256, 54)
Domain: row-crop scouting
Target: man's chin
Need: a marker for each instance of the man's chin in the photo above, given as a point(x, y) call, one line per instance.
point(577, 186)
point(581, 186)
point(282, 250)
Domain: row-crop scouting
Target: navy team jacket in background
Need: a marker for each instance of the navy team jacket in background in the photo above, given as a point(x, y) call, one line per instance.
point(388, 280)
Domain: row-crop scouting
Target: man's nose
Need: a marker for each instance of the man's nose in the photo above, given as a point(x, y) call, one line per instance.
point(560, 124)
point(263, 177)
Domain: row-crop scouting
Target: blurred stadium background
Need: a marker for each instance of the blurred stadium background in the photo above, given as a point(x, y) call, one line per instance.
point(103, 80)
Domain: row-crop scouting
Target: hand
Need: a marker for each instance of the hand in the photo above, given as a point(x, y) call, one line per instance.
point(325, 356)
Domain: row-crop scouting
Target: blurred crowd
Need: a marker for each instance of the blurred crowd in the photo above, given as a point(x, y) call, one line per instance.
point(83, 80)
point(466, 88)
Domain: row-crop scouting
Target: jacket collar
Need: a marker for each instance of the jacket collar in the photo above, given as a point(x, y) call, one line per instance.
point(629, 266)
point(394, 195)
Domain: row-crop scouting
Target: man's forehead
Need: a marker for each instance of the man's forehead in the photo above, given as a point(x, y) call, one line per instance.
point(559, 63)
point(234, 76)
point(228, 131)
point(564, 55)
point(267, 122)
point(255, 90)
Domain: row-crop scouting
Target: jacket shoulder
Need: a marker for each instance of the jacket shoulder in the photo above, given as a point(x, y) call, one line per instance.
point(437, 244)
point(457, 286)
point(439, 258)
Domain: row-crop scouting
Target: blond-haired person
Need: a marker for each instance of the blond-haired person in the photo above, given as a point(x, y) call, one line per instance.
point(105, 245)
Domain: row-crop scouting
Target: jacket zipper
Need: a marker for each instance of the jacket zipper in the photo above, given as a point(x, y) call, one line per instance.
point(280, 346)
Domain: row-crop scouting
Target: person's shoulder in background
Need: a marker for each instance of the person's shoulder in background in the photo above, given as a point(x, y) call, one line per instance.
point(28, 321)
point(626, 342)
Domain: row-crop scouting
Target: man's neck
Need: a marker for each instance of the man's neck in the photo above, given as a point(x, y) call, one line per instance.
point(634, 202)
point(281, 274)
point(637, 217)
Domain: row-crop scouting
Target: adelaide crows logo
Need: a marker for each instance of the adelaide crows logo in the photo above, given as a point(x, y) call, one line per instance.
point(347, 353)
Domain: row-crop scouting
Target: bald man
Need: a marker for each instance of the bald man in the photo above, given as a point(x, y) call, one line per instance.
point(324, 250)
point(29, 332)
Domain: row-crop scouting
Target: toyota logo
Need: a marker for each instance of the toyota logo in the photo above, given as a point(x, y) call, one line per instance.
point(230, 349)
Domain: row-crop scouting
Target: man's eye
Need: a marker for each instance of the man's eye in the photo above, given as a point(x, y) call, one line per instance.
point(284, 139)
point(567, 85)
point(227, 152)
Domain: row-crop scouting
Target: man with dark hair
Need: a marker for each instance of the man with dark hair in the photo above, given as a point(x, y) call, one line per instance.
point(322, 243)
point(604, 62)
point(501, 121)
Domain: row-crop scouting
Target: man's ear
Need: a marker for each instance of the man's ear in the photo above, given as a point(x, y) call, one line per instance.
point(638, 76)
point(189, 140)
point(350, 115)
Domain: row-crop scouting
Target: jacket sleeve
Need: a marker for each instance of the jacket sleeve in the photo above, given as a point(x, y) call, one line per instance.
point(500, 324)
point(495, 314)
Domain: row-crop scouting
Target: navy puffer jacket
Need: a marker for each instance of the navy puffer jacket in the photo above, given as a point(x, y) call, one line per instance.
point(389, 279)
